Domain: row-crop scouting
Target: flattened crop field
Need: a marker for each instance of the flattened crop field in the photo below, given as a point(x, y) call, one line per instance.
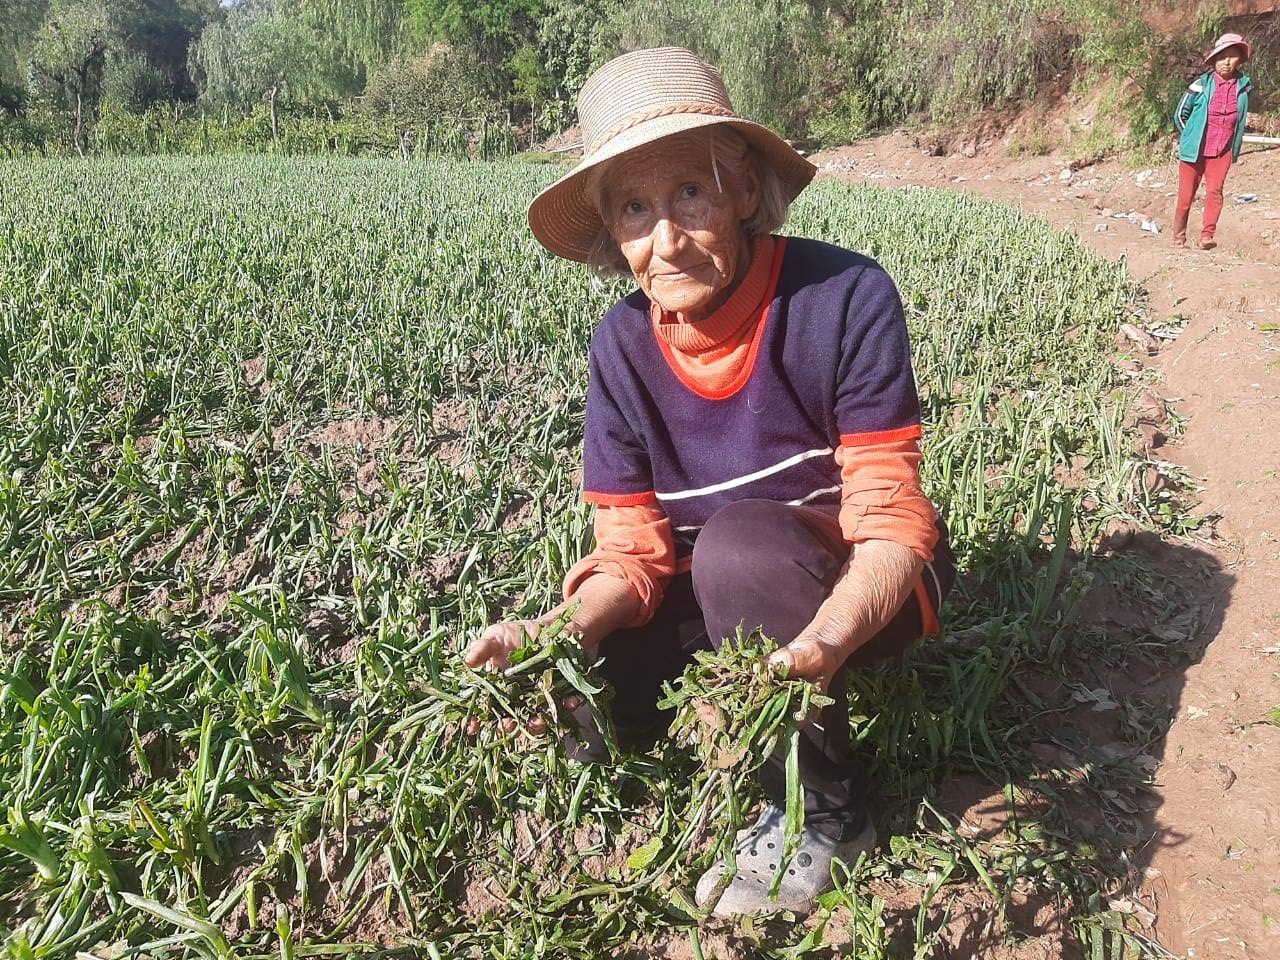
point(279, 436)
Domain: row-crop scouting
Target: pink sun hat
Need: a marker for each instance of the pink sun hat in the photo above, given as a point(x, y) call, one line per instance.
point(1226, 41)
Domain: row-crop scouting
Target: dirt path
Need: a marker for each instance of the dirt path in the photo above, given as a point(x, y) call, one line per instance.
point(1214, 855)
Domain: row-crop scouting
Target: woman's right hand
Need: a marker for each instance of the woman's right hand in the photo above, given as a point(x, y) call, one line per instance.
point(493, 648)
point(492, 651)
point(603, 604)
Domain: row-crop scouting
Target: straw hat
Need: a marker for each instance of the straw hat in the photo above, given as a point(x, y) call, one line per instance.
point(633, 100)
point(1229, 40)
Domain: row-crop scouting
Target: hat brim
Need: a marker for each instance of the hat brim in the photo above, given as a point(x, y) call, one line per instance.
point(565, 220)
point(1248, 52)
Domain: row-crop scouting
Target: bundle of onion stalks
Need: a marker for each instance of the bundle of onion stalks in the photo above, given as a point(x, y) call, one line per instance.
point(734, 711)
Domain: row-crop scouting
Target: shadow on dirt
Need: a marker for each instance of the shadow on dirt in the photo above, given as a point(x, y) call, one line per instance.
point(1084, 729)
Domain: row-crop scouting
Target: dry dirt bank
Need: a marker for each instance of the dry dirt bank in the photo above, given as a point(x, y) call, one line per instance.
point(1214, 851)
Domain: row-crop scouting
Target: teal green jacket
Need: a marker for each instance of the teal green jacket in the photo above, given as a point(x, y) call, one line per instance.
point(1192, 117)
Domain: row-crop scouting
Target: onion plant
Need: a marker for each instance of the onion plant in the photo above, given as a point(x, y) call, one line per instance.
point(280, 436)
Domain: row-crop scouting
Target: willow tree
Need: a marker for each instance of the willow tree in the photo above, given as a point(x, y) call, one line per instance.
point(765, 49)
point(261, 54)
point(162, 31)
point(363, 33)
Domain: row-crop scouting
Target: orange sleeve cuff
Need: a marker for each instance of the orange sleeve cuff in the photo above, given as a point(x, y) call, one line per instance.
point(881, 498)
point(909, 432)
point(619, 499)
point(633, 543)
point(928, 616)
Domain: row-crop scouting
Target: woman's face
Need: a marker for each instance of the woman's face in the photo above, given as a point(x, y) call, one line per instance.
point(680, 233)
point(1227, 63)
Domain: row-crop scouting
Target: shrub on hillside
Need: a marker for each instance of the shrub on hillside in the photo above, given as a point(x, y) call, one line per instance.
point(445, 84)
point(134, 84)
point(947, 58)
point(842, 121)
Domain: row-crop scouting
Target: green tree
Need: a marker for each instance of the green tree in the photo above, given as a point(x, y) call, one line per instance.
point(444, 85)
point(161, 32)
point(19, 21)
point(133, 83)
point(145, 56)
point(765, 49)
point(68, 59)
point(574, 38)
point(506, 22)
point(362, 35)
point(262, 55)
point(492, 31)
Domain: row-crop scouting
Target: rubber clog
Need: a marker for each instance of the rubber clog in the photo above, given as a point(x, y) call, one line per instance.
point(759, 857)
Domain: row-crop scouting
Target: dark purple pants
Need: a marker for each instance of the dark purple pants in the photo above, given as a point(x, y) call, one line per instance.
point(759, 563)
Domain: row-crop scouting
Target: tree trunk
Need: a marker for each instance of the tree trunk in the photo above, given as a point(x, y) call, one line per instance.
point(275, 123)
point(79, 123)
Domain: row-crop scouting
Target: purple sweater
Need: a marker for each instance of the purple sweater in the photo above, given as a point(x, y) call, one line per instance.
point(833, 367)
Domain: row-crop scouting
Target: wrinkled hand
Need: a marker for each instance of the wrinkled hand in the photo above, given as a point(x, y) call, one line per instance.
point(493, 648)
point(809, 659)
point(492, 651)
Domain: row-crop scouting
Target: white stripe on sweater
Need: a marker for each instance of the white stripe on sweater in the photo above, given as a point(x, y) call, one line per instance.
point(748, 478)
point(813, 496)
point(790, 503)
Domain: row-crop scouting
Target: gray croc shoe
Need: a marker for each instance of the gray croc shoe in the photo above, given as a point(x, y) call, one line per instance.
point(759, 853)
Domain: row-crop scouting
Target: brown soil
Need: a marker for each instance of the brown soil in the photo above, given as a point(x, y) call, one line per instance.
point(329, 638)
point(368, 432)
point(1211, 853)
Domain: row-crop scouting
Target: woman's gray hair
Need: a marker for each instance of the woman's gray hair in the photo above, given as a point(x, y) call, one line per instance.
point(728, 152)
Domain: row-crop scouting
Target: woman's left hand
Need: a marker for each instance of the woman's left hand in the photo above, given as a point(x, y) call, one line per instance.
point(811, 659)
point(872, 587)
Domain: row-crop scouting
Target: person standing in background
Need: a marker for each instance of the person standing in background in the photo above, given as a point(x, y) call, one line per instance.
point(1210, 119)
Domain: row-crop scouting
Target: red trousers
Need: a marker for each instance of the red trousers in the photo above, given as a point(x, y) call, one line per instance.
point(1213, 170)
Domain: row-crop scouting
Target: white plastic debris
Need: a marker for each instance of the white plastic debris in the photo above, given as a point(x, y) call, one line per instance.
point(1133, 216)
point(1247, 198)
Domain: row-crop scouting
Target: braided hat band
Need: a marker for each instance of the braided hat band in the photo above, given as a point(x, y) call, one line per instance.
point(631, 101)
point(657, 112)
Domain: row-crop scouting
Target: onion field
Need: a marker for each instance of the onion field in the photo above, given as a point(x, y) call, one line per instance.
point(278, 437)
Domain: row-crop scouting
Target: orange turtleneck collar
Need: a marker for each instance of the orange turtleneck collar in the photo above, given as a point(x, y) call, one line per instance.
point(713, 356)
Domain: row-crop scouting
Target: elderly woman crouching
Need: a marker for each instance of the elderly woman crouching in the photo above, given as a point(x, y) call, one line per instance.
point(752, 442)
